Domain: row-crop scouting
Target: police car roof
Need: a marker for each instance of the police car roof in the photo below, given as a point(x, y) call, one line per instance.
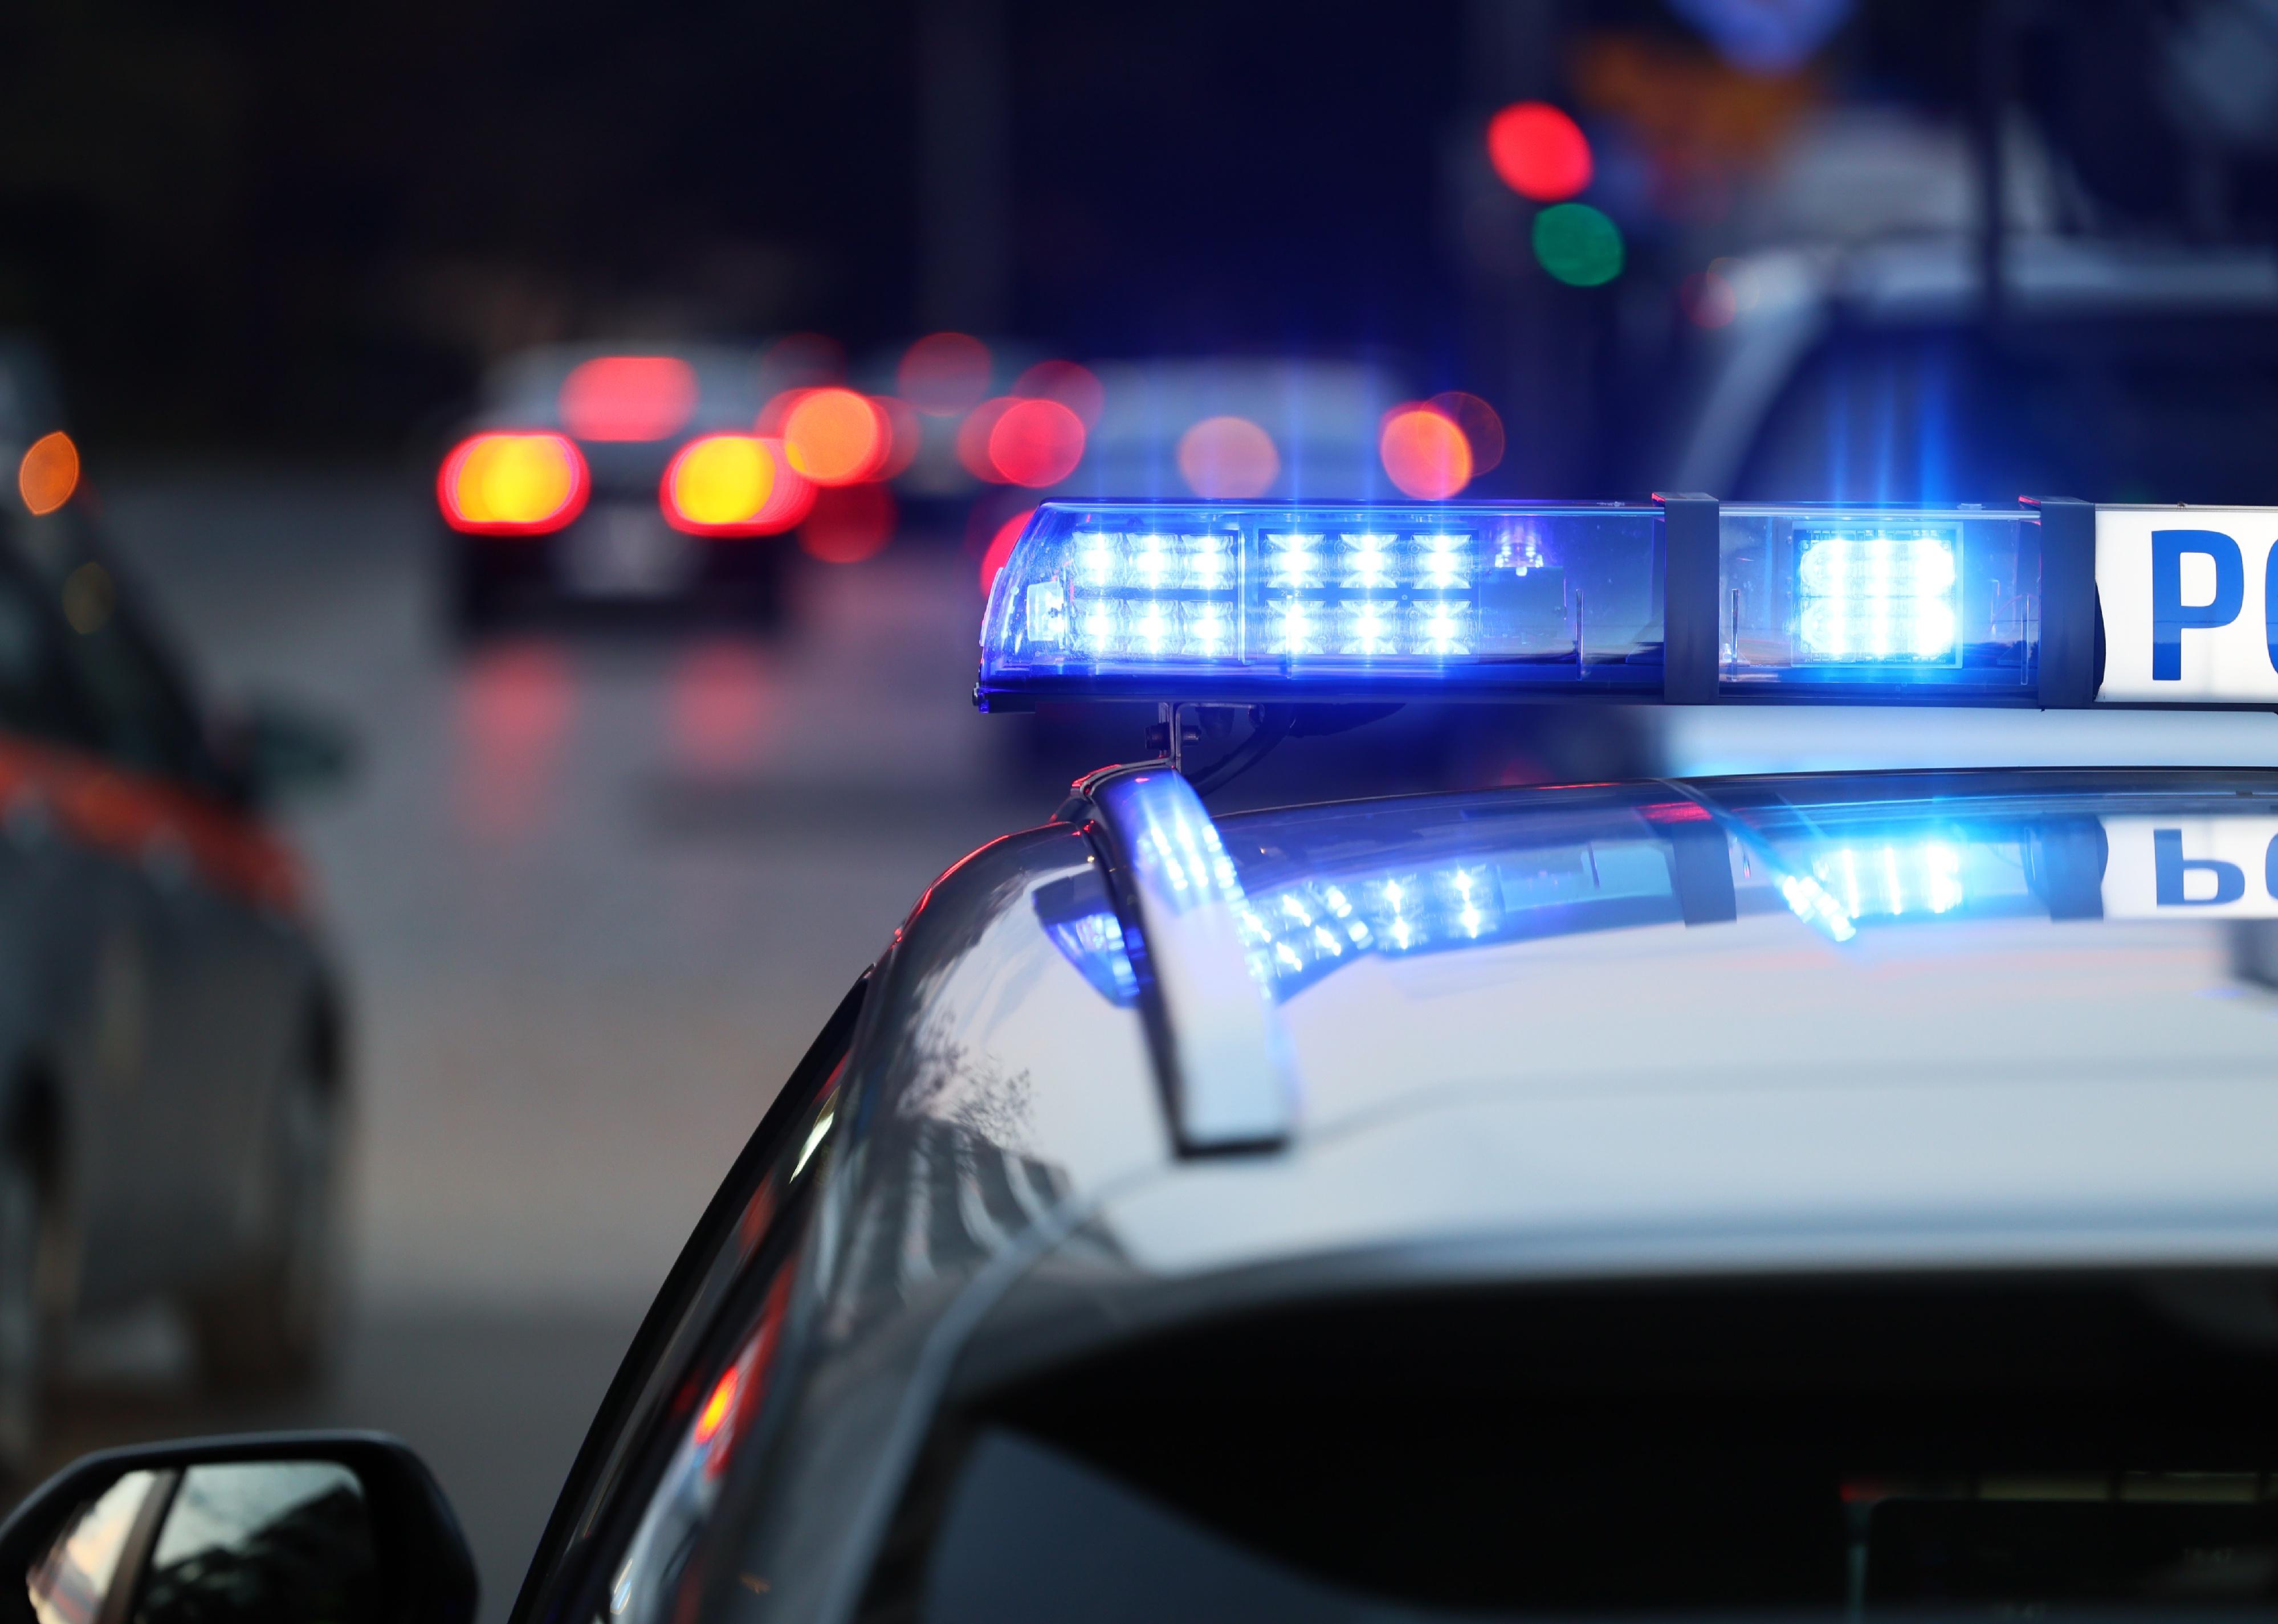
point(1796, 1020)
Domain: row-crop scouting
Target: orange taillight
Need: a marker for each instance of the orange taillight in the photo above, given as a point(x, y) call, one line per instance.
point(734, 485)
point(513, 484)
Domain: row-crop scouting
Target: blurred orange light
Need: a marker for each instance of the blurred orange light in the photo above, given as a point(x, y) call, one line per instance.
point(1479, 423)
point(720, 1405)
point(733, 484)
point(836, 436)
point(48, 473)
point(1539, 152)
point(512, 485)
point(945, 373)
point(849, 523)
point(1077, 388)
point(1000, 547)
point(1425, 452)
point(1228, 457)
point(906, 431)
point(628, 397)
point(1035, 443)
point(972, 437)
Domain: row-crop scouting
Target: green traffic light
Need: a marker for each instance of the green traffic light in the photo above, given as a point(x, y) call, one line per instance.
point(1577, 245)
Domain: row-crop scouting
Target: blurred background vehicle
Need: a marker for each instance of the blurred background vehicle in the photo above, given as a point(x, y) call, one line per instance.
point(589, 888)
point(173, 1086)
point(607, 480)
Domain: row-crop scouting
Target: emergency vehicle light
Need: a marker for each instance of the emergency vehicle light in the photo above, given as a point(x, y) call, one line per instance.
point(1682, 600)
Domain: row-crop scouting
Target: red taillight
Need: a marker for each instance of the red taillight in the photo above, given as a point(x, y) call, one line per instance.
point(733, 484)
point(628, 397)
point(513, 484)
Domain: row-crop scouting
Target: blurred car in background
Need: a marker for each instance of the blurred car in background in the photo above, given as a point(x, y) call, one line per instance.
point(607, 479)
point(1884, 372)
point(173, 1092)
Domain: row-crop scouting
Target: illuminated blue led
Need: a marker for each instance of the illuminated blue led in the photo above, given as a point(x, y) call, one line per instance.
point(1293, 562)
point(1094, 944)
point(1893, 878)
point(1370, 561)
point(1235, 603)
point(1210, 562)
point(1443, 562)
point(1813, 903)
point(1873, 597)
point(1370, 627)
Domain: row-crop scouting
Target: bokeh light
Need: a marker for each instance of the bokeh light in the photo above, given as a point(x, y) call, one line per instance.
point(836, 436)
point(1480, 424)
point(1035, 443)
point(945, 373)
point(793, 499)
point(1228, 457)
point(512, 485)
point(849, 523)
point(1076, 387)
point(972, 437)
point(48, 473)
point(1539, 152)
point(628, 397)
point(999, 551)
point(717, 481)
point(734, 485)
point(1425, 452)
point(1577, 245)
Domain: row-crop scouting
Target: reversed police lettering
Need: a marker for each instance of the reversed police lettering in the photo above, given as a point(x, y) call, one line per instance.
point(2175, 873)
point(2186, 869)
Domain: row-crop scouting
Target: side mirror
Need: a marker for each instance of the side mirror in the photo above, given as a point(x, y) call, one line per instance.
point(278, 752)
point(345, 1526)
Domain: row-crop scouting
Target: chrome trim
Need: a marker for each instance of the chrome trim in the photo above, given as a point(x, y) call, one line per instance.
point(1217, 1041)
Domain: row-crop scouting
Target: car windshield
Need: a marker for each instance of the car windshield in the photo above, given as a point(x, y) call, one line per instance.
point(2040, 1450)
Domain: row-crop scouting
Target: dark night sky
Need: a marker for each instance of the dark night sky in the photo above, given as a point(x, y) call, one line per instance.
point(272, 223)
point(292, 223)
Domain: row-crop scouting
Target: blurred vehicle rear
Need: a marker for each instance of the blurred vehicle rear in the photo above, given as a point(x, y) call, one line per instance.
point(603, 479)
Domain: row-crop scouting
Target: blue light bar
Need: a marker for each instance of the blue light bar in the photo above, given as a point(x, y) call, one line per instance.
point(1252, 603)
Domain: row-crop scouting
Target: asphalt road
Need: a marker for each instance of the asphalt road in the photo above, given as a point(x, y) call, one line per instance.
point(593, 897)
